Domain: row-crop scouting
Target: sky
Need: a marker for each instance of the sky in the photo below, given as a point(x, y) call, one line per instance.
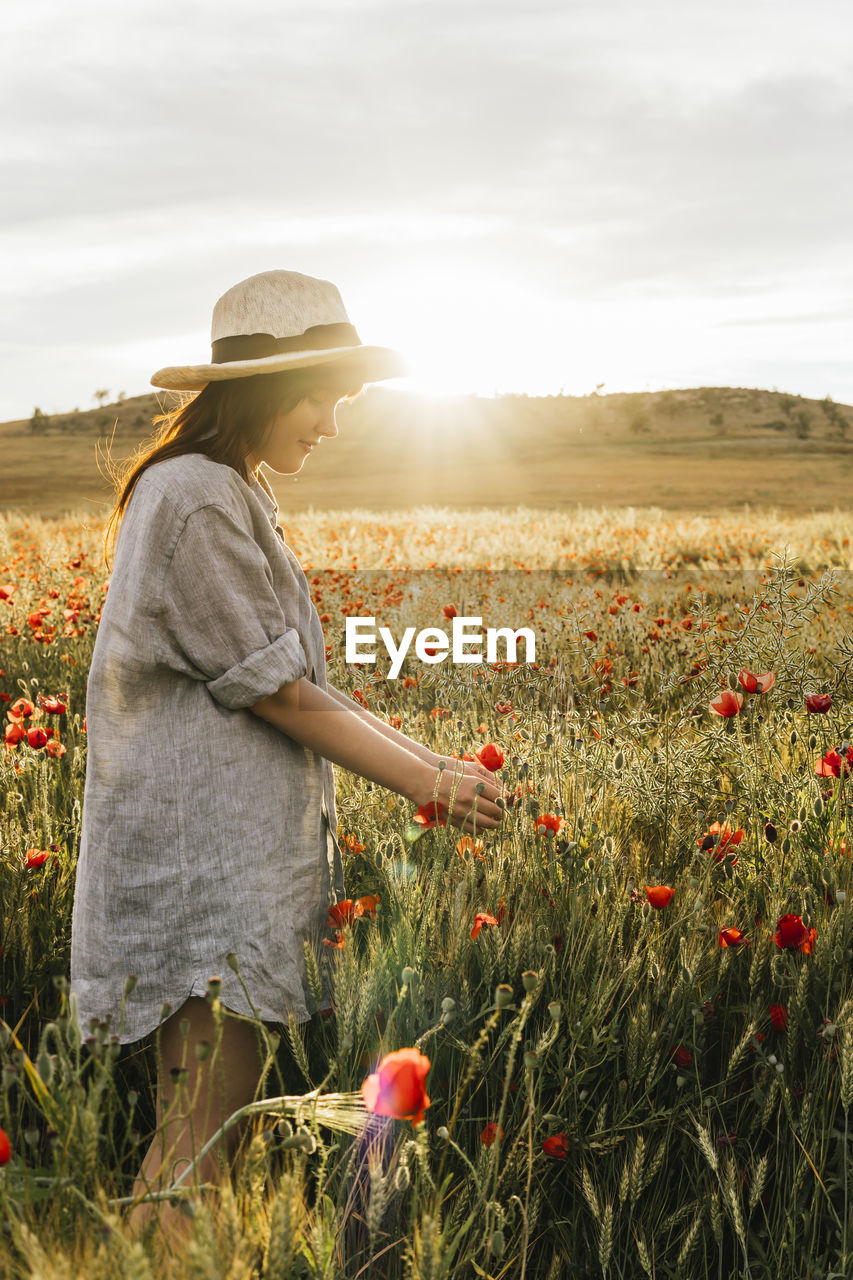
point(536, 197)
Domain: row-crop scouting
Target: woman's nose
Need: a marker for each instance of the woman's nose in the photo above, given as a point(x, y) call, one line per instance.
point(329, 425)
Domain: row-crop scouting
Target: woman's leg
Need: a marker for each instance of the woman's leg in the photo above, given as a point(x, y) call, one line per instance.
point(190, 1110)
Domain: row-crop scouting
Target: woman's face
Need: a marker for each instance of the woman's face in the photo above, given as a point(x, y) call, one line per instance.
point(295, 433)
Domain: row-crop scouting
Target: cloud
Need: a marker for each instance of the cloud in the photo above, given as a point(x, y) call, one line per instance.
point(546, 154)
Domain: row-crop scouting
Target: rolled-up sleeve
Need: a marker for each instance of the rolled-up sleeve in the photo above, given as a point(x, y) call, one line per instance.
point(222, 615)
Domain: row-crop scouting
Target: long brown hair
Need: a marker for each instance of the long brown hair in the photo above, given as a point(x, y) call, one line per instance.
point(227, 421)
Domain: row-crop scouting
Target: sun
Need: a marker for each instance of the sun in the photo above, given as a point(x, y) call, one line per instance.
point(459, 333)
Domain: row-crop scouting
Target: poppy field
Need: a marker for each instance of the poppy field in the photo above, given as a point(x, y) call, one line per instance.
point(612, 1038)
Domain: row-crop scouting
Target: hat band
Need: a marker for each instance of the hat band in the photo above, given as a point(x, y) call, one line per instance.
point(257, 346)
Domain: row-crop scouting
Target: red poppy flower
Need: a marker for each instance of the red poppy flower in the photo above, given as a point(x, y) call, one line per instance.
point(346, 911)
point(792, 935)
point(503, 708)
point(53, 706)
point(557, 1146)
point(481, 918)
point(756, 684)
point(726, 703)
point(36, 858)
point(397, 1087)
point(469, 845)
point(13, 734)
point(659, 895)
point(548, 824)
point(818, 703)
point(728, 1140)
point(490, 756)
point(720, 839)
point(55, 748)
point(490, 1133)
point(779, 1017)
point(340, 914)
point(732, 937)
point(450, 611)
point(682, 1056)
point(6, 592)
point(590, 635)
point(37, 738)
point(338, 942)
point(836, 764)
point(427, 815)
point(5, 1147)
point(21, 709)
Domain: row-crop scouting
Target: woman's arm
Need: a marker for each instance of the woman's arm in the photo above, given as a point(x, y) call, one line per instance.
point(334, 729)
point(417, 748)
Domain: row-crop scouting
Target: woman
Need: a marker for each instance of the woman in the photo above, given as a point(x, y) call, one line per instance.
point(209, 827)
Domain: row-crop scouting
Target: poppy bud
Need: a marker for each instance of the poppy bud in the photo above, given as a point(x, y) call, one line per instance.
point(130, 984)
point(554, 1010)
point(771, 835)
point(408, 975)
point(529, 980)
point(214, 987)
point(817, 807)
point(497, 1244)
point(448, 1005)
point(503, 995)
point(531, 1060)
point(443, 1133)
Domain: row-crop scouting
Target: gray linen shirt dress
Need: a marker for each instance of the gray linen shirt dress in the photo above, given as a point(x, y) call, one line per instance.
point(205, 830)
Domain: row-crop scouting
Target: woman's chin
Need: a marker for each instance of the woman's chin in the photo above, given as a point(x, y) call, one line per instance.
point(285, 467)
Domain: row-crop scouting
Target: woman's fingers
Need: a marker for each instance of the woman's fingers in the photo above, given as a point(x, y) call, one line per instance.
point(484, 803)
point(474, 797)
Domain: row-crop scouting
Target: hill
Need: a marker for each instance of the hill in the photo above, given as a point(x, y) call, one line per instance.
point(699, 449)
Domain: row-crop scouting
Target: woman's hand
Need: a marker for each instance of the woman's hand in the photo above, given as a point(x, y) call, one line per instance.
point(471, 766)
point(465, 776)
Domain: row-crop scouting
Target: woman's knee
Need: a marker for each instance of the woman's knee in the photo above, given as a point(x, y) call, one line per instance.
point(228, 1056)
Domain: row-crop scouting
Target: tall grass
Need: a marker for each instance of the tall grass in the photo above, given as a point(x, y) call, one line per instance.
point(610, 1093)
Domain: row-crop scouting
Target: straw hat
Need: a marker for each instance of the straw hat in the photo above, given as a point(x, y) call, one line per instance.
point(280, 320)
